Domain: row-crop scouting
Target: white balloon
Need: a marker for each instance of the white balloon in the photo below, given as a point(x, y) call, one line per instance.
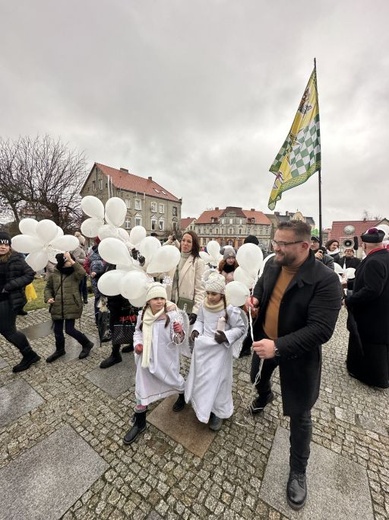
point(134, 285)
point(250, 258)
point(37, 260)
point(59, 232)
point(213, 249)
point(123, 235)
point(337, 268)
point(164, 260)
point(93, 207)
point(65, 243)
point(149, 246)
point(137, 234)
point(138, 302)
point(90, 227)
point(115, 211)
point(206, 257)
point(350, 273)
point(108, 231)
point(265, 262)
point(241, 275)
point(27, 226)
point(237, 293)
point(46, 230)
point(109, 282)
point(26, 243)
point(113, 251)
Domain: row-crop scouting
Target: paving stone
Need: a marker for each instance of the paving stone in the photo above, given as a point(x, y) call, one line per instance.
point(117, 379)
point(3, 363)
point(337, 487)
point(38, 330)
point(48, 478)
point(16, 399)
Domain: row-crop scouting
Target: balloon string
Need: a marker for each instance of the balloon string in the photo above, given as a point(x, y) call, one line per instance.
point(258, 376)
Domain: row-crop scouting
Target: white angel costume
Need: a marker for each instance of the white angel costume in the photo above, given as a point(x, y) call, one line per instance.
point(158, 367)
point(209, 383)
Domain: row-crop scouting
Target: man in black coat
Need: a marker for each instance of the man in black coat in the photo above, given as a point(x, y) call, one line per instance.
point(299, 299)
point(15, 274)
point(368, 307)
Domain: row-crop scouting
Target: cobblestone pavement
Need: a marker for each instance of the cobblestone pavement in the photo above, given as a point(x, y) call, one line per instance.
point(157, 477)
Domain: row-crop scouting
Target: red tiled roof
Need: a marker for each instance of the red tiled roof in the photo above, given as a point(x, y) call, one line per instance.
point(130, 182)
point(207, 216)
point(337, 230)
point(260, 218)
point(186, 222)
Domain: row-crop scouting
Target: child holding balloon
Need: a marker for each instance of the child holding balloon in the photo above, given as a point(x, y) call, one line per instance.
point(157, 358)
point(218, 326)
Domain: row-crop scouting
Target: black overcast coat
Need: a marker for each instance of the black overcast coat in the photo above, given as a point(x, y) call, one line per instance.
point(307, 317)
point(18, 275)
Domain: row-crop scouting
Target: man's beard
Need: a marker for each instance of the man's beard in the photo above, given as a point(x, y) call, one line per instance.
point(284, 259)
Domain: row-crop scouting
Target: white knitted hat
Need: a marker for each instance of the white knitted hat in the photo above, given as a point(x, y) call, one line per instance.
point(156, 290)
point(215, 283)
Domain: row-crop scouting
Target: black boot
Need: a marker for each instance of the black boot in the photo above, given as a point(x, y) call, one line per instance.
point(114, 358)
point(179, 404)
point(137, 429)
point(85, 350)
point(128, 348)
point(29, 357)
point(59, 351)
point(296, 490)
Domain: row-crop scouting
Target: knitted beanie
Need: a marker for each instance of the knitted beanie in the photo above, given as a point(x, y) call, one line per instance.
point(229, 253)
point(5, 238)
point(215, 283)
point(156, 290)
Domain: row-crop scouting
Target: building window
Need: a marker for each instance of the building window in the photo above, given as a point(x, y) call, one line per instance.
point(231, 220)
point(128, 203)
point(161, 225)
point(138, 220)
point(154, 207)
point(100, 184)
point(127, 224)
point(162, 208)
point(231, 231)
point(93, 185)
point(175, 211)
point(138, 205)
point(216, 231)
point(175, 226)
point(153, 224)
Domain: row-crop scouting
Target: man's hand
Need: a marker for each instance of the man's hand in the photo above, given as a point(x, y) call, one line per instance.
point(264, 348)
point(252, 302)
point(220, 337)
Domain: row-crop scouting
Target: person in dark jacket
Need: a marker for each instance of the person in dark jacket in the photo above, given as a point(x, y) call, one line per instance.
point(299, 300)
point(320, 253)
point(15, 274)
point(368, 312)
point(62, 292)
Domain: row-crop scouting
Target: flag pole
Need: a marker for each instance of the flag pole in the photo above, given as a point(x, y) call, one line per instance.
point(319, 171)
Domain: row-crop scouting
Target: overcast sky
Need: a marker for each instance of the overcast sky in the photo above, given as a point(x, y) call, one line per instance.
point(200, 94)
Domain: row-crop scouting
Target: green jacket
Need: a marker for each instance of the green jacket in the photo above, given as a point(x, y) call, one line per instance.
point(65, 289)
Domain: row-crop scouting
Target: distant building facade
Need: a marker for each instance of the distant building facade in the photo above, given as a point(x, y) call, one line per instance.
point(231, 225)
point(148, 204)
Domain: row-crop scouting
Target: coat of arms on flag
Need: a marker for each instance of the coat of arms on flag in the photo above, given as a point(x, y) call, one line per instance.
point(299, 156)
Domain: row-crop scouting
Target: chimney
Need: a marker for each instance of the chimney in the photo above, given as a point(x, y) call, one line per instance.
point(217, 208)
point(149, 178)
point(123, 170)
point(252, 209)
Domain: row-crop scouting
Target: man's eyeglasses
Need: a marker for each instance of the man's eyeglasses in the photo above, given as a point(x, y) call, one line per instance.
point(281, 243)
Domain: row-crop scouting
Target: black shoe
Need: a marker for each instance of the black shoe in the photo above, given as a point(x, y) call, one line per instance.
point(85, 301)
point(85, 350)
point(244, 353)
point(28, 359)
point(179, 404)
point(132, 434)
point(55, 355)
point(259, 403)
point(214, 423)
point(128, 348)
point(296, 490)
point(22, 312)
point(113, 359)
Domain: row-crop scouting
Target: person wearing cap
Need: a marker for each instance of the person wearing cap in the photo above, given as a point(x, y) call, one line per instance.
point(298, 300)
point(218, 326)
point(157, 358)
point(320, 252)
point(15, 274)
point(62, 293)
point(228, 264)
point(368, 311)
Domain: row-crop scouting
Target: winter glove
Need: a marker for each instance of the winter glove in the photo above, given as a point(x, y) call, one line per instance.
point(177, 327)
point(192, 318)
point(220, 337)
point(194, 335)
point(138, 349)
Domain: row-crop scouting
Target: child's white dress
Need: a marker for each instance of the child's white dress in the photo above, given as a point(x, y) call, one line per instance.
point(209, 383)
point(162, 377)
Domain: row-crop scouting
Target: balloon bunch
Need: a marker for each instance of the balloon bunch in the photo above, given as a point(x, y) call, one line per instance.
point(212, 256)
point(136, 256)
point(42, 241)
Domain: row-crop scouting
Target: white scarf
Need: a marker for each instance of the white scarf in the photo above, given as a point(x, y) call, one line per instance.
point(147, 330)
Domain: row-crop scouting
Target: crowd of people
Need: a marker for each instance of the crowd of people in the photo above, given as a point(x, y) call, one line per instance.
point(296, 301)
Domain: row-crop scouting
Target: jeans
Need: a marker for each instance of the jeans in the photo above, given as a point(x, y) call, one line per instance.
point(8, 327)
point(70, 330)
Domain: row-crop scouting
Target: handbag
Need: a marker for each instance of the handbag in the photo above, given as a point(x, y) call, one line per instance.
point(185, 304)
point(123, 332)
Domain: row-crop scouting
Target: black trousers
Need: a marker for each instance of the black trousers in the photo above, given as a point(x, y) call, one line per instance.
point(8, 327)
point(300, 424)
point(70, 330)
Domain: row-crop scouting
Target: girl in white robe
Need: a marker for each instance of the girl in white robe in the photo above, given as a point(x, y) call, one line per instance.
point(157, 358)
point(218, 326)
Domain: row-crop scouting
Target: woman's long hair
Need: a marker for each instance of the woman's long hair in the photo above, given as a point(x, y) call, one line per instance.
point(195, 244)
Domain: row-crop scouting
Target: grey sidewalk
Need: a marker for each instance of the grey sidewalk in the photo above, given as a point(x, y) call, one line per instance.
point(62, 456)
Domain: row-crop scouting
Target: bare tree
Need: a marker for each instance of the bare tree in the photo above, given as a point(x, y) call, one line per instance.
point(41, 178)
